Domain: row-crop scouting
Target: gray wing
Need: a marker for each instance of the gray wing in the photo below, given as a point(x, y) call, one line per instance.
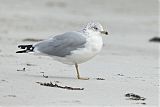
point(61, 45)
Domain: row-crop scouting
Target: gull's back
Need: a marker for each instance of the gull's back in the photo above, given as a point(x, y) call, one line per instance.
point(61, 45)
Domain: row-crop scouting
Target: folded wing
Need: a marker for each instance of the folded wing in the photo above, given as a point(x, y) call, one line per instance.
point(61, 45)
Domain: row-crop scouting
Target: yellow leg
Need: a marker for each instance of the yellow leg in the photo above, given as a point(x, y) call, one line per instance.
point(78, 75)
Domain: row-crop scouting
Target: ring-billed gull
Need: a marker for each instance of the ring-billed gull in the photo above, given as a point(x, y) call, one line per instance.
point(71, 48)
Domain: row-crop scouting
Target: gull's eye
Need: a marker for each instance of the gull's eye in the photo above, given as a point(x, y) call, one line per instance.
point(95, 28)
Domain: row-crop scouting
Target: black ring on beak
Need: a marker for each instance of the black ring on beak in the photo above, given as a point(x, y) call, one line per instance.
point(104, 32)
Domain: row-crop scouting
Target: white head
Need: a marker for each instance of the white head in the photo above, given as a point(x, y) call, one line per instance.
point(95, 27)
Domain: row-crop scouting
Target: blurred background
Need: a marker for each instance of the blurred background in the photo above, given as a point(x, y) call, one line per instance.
point(40, 18)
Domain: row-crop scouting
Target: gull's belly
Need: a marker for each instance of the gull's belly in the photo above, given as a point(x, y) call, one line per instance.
point(92, 48)
point(84, 55)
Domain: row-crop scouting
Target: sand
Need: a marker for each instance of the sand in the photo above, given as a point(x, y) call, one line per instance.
point(128, 61)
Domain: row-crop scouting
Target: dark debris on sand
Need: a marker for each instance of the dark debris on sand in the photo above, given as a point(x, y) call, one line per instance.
point(24, 69)
point(100, 79)
point(30, 64)
point(58, 86)
point(132, 96)
point(155, 39)
point(120, 74)
point(44, 75)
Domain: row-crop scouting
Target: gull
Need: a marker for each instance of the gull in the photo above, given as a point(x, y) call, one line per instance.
point(71, 48)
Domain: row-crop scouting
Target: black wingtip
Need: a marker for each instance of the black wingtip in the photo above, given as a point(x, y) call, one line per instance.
point(26, 48)
point(23, 51)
